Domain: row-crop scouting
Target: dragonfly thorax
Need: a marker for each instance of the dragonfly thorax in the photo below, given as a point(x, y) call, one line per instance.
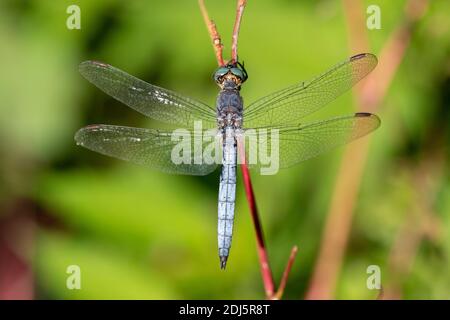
point(229, 108)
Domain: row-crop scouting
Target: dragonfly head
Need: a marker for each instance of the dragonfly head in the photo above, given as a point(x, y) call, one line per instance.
point(231, 75)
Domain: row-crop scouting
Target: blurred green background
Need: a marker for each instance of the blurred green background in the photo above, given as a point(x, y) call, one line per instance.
point(136, 233)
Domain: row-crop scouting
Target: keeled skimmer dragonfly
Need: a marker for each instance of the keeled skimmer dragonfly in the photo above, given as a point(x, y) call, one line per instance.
point(283, 110)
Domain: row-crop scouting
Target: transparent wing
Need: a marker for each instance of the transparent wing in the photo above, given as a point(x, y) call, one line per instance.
point(155, 102)
point(296, 144)
point(288, 106)
point(148, 147)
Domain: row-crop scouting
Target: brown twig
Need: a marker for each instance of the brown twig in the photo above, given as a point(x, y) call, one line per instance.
point(369, 96)
point(266, 272)
point(237, 24)
point(214, 34)
point(286, 272)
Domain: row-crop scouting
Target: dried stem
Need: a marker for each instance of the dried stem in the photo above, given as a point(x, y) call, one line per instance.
point(286, 272)
point(369, 96)
point(214, 34)
point(237, 24)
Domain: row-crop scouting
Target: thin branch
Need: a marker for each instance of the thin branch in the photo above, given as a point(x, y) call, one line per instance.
point(214, 34)
point(369, 96)
point(286, 272)
point(237, 24)
point(266, 272)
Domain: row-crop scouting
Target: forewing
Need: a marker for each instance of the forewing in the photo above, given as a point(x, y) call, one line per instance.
point(155, 102)
point(288, 106)
point(296, 144)
point(148, 147)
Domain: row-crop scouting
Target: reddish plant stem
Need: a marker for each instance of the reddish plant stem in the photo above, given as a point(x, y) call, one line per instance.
point(237, 24)
point(266, 272)
point(286, 272)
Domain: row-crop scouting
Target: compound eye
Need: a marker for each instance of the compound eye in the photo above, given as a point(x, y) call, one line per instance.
point(220, 73)
point(238, 73)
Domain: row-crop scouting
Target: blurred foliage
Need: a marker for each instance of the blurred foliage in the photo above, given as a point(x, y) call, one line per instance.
point(141, 234)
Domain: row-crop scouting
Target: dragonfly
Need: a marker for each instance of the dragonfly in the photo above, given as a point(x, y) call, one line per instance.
point(283, 111)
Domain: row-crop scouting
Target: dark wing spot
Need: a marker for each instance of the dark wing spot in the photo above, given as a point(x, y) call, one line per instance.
point(363, 114)
point(359, 56)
